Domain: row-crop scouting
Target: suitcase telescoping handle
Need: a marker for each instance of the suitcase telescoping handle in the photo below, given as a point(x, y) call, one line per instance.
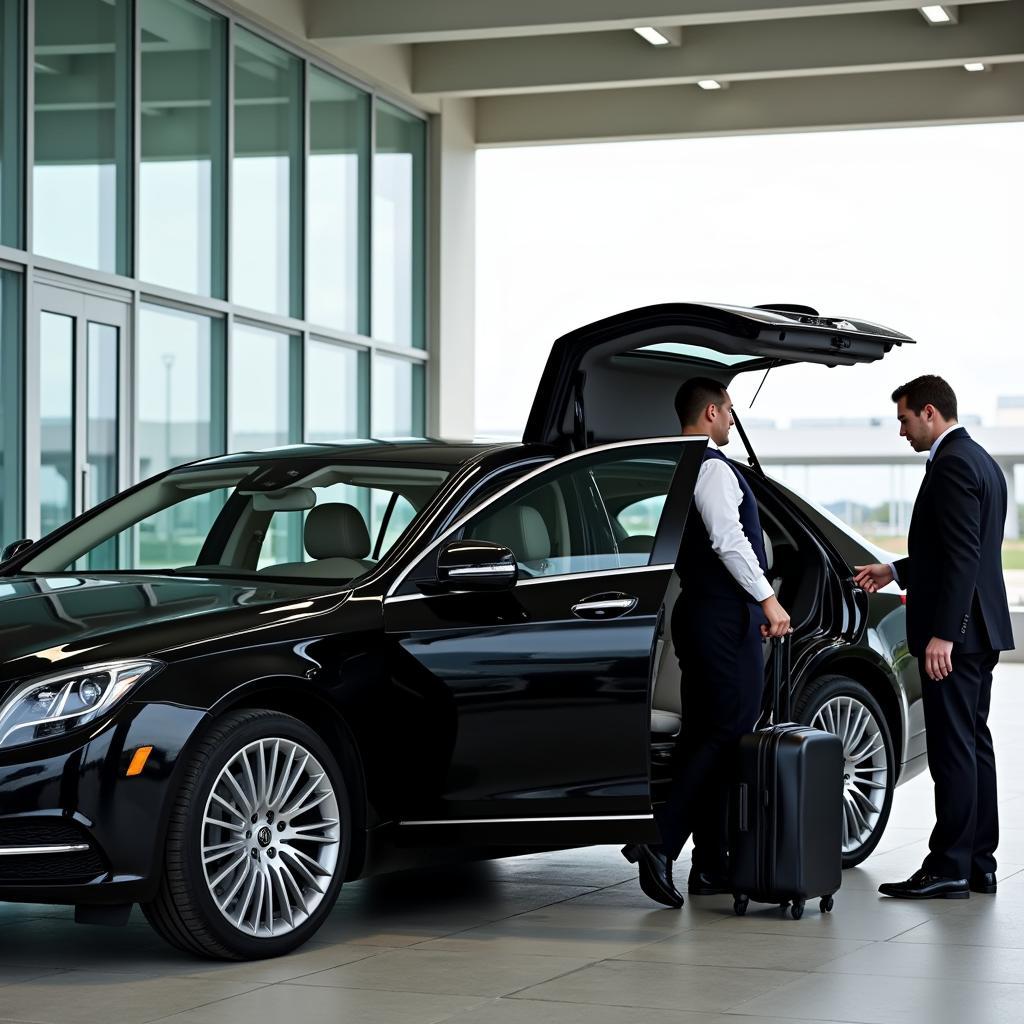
point(782, 688)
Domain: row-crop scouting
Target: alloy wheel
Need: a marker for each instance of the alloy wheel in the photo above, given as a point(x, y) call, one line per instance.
point(866, 768)
point(271, 837)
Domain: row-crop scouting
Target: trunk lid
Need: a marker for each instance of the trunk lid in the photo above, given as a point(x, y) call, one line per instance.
point(615, 380)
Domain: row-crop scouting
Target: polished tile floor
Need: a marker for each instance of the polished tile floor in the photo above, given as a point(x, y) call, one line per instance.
point(568, 938)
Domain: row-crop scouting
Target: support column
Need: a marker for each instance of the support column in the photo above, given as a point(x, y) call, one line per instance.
point(1012, 511)
point(451, 272)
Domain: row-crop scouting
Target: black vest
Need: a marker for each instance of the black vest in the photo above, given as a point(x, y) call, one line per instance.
point(701, 570)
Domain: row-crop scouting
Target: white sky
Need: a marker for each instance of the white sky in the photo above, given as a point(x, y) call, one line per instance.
point(919, 229)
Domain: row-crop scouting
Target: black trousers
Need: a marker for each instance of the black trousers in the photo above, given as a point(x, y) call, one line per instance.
point(963, 767)
point(719, 647)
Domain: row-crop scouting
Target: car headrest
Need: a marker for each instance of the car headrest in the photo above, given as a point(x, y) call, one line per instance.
point(336, 530)
point(769, 554)
point(519, 527)
point(639, 543)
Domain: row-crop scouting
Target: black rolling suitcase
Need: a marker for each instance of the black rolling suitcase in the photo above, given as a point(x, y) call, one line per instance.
point(787, 807)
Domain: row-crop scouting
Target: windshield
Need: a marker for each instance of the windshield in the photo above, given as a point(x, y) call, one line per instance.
point(289, 518)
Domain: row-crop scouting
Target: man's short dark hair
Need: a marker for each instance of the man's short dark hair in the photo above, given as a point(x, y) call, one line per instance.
point(695, 395)
point(928, 390)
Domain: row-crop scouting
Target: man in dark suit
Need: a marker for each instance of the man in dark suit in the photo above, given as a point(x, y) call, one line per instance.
point(725, 607)
point(958, 621)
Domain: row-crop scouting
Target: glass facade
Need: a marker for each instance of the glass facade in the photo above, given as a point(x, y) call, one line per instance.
point(336, 407)
point(10, 406)
point(337, 204)
point(264, 393)
point(179, 376)
point(257, 218)
point(399, 176)
point(266, 177)
point(81, 180)
point(56, 420)
point(11, 134)
point(397, 398)
point(182, 142)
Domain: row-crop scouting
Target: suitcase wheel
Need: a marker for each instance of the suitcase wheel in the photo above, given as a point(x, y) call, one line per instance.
point(739, 904)
point(826, 905)
point(797, 910)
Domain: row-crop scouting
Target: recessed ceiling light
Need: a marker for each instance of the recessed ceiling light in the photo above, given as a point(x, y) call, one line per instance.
point(939, 14)
point(652, 35)
point(709, 84)
point(975, 65)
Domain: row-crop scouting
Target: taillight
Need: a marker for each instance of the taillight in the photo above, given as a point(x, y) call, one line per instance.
point(903, 597)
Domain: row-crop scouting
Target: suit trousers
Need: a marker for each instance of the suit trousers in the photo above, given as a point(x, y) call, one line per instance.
point(721, 659)
point(963, 767)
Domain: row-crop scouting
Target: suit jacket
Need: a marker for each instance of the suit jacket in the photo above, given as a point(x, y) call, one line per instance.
point(953, 573)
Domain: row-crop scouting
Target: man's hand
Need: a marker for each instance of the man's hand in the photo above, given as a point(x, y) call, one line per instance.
point(873, 577)
point(778, 618)
point(938, 658)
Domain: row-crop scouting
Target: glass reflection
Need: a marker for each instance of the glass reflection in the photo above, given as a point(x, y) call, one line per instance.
point(336, 232)
point(179, 383)
point(10, 406)
point(56, 413)
point(263, 382)
point(265, 402)
point(80, 180)
point(11, 96)
point(101, 446)
point(181, 178)
point(266, 264)
point(334, 392)
point(397, 398)
point(398, 236)
point(178, 379)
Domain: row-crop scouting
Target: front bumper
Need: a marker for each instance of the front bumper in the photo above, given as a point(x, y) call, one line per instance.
point(74, 793)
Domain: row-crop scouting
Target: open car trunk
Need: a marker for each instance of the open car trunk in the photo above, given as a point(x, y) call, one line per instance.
point(616, 379)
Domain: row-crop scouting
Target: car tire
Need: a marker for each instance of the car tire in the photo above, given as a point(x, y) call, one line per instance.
point(257, 843)
point(847, 708)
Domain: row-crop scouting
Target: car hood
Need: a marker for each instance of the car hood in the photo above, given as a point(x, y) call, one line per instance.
point(67, 620)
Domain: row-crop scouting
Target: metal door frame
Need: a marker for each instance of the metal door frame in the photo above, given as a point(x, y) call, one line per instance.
point(83, 306)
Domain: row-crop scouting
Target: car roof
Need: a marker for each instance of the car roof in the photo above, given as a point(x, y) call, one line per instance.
point(426, 452)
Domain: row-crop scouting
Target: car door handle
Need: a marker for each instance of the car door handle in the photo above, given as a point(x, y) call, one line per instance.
point(604, 606)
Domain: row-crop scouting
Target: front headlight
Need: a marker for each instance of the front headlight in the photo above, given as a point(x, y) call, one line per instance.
point(55, 704)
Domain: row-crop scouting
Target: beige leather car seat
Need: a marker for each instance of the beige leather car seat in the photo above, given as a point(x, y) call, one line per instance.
point(336, 538)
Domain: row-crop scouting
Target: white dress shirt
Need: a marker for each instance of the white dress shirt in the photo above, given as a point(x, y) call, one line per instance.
point(931, 455)
point(718, 498)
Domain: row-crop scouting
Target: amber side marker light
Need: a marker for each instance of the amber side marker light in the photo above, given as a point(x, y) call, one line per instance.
point(139, 761)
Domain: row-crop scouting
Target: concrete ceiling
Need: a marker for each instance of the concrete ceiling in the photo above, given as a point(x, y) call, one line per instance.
point(573, 70)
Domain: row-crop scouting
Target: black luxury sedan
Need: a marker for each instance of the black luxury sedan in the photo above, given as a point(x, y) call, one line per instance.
point(245, 681)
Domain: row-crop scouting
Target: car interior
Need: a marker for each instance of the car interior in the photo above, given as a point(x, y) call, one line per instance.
point(334, 523)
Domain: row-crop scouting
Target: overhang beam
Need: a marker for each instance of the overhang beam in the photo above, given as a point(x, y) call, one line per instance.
point(889, 99)
point(858, 43)
point(417, 21)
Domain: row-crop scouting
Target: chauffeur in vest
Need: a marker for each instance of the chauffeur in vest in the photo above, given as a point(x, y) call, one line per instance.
point(725, 608)
point(958, 621)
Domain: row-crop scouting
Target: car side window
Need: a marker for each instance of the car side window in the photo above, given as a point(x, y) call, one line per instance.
point(566, 520)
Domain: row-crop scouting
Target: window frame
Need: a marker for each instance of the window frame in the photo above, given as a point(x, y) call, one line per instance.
point(403, 587)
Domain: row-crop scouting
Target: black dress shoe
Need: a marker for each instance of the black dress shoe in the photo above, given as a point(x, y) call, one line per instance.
point(655, 874)
point(708, 883)
point(984, 883)
point(923, 885)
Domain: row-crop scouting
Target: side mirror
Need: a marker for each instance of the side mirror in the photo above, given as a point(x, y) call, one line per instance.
point(476, 565)
point(15, 549)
